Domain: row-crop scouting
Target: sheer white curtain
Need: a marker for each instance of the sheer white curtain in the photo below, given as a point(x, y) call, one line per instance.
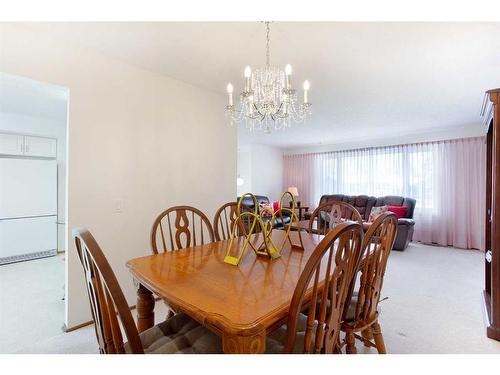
point(446, 178)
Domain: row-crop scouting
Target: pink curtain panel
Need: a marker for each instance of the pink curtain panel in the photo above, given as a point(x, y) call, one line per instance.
point(447, 178)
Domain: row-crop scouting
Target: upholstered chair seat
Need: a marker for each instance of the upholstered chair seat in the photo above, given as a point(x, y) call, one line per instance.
point(179, 335)
point(275, 341)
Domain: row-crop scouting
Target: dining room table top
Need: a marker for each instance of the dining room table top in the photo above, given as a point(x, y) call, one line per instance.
point(249, 297)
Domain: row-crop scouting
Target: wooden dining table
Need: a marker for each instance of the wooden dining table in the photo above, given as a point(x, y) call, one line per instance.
point(242, 304)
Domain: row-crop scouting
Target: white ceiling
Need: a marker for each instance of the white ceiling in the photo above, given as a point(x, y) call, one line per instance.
point(368, 80)
point(27, 97)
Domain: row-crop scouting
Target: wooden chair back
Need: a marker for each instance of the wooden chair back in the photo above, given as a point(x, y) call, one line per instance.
point(226, 216)
point(327, 215)
point(180, 227)
point(331, 269)
point(224, 220)
point(107, 302)
point(377, 246)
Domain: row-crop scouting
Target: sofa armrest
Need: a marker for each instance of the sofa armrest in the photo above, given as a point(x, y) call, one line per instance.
point(407, 222)
point(404, 234)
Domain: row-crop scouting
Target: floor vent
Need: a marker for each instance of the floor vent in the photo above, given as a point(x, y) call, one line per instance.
point(25, 257)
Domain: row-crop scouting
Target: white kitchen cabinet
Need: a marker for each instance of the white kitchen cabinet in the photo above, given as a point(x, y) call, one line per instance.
point(27, 145)
point(11, 144)
point(40, 146)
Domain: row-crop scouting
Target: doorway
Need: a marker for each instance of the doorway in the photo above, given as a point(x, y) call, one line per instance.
point(33, 207)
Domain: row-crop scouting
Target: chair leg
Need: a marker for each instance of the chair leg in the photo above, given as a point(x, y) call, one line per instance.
point(350, 340)
point(379, 339)
point(367, 334)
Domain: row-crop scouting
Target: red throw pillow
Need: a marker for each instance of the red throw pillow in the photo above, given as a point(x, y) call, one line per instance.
point(276, 206)
point(399, 211)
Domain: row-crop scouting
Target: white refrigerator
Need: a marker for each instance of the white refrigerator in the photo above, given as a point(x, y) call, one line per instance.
point(28, 209)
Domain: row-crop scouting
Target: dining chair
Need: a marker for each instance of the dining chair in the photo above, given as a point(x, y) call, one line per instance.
point(311, 327)
point(226, 216)
point(179, 334)
point(326, 216)
point(180, 227)
point(224, 220)
point(362, 313)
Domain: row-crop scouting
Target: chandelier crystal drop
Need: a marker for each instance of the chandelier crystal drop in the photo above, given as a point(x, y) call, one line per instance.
point(268, 101)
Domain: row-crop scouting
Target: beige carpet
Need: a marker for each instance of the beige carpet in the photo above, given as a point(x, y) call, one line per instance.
point(434, 306)
point(435, 302)
point(31, 302)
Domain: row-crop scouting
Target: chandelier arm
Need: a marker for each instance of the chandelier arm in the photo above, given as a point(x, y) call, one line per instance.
point(263, 115)
point(282, 115)
point(279, 111)
point(254, 117)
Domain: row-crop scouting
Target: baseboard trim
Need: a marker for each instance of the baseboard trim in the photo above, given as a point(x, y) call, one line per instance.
point(27, 257)
point(78, 326)
point(85, 324)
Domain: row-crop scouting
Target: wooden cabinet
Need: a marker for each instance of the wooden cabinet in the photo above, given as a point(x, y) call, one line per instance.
point(27, 145)
point(491, 294)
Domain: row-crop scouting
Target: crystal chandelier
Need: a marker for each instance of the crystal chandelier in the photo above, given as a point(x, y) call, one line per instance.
point(268, 101)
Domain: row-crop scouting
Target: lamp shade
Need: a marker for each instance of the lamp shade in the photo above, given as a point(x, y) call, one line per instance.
point(294, 191)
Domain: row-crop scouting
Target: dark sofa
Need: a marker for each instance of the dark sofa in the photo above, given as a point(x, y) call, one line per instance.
point(364, 204)
point(248, 203)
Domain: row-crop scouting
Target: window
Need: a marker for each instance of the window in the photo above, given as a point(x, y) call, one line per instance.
point(446, 178)
point(398, 170)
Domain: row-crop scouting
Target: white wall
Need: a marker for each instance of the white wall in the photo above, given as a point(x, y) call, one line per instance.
point(244, 169)
point(264, 166)
point(47, 127)
point(267, 171)
point(134, 136)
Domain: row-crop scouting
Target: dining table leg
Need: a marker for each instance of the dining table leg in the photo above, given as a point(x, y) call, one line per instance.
point(145, 308)
point(235, 344)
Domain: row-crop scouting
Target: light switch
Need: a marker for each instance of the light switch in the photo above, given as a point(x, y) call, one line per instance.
point(119, 206)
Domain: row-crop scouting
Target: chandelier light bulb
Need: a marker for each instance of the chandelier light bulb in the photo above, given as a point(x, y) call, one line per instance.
point(248, 74)
point(306, 90)
point(230, 93)
point(288, 72)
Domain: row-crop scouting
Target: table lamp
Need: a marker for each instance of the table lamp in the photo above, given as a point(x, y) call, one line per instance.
point(295, 193)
